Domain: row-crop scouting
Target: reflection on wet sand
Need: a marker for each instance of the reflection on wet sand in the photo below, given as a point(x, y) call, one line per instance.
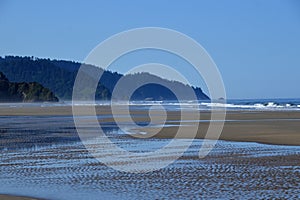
point(42, 156)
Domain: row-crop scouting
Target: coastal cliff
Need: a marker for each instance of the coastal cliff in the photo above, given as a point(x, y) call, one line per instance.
point(24, 92)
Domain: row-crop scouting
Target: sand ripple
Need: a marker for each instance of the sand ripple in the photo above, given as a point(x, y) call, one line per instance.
point(63, 169)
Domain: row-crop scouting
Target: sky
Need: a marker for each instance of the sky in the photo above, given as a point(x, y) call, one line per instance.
point(255, 44)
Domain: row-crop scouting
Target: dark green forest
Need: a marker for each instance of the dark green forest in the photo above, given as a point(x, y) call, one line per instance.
point(24, 92)
point(59, 77)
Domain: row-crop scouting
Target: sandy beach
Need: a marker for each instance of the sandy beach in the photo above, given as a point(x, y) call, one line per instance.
point(10, 197)
point(270, 127)
point(43, 157)
point(151, 100)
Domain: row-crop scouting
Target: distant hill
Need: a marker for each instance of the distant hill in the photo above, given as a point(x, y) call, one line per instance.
point(59, 76)
point(24, 92)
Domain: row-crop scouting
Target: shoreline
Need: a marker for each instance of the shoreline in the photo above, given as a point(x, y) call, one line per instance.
point(17, 197)
point(66, 110)
point(266, 127)
point(240, 161)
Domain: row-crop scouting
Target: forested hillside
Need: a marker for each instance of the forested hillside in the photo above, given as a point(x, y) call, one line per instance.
point(24, 92)
point(59, 76)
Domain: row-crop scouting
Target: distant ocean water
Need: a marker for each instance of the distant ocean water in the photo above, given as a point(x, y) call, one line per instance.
point(231, 104)
point(260, 104)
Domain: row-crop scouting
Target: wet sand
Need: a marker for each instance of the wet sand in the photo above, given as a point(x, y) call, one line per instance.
point(42, 156)
point(10, 197)
point(271, 131)
point(232, 170)
point(270, 127)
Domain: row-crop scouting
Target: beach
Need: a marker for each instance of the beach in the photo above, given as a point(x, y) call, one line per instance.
point(10, 197)
point(149, 100)
point(258, 155)
point(270, 127)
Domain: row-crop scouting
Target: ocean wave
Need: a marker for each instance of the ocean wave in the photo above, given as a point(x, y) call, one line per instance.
point(255, 106)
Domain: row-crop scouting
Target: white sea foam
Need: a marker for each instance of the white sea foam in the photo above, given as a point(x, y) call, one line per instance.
point(256, 104)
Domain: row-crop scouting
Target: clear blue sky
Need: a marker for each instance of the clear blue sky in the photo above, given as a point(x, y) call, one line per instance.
point(255, 44)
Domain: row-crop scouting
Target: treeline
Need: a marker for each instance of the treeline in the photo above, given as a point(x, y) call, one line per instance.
point(24, 92)
point(59, 76)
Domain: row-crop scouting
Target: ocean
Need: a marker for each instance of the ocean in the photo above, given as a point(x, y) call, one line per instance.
point(231, 104)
